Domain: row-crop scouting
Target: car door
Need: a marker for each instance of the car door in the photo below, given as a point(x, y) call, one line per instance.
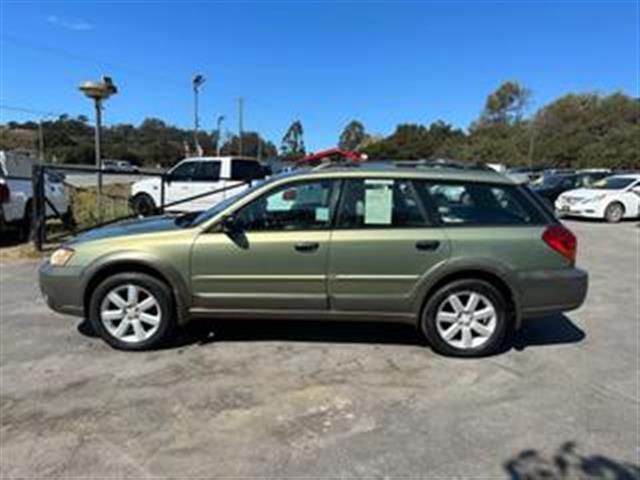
point(275, 256)
point(631, 200)
point(382, 244)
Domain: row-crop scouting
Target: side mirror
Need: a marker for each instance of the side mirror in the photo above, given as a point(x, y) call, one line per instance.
point(229, 225)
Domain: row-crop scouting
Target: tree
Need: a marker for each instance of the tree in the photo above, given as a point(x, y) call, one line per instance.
point(352, 136)
point(506, 104)
point(253, 145)
point(292, 146)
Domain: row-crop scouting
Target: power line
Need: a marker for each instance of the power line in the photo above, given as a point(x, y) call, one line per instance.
point(29, 111)
point(86, 58)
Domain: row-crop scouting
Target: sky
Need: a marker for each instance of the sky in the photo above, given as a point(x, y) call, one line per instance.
point(325, 63)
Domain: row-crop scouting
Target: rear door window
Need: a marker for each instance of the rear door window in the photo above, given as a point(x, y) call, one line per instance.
point(208, 171)
point(380, 203)
point(246, 170)
point(478, 204)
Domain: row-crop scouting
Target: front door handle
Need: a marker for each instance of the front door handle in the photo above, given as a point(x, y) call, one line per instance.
point(427, 245)
point(306, 246)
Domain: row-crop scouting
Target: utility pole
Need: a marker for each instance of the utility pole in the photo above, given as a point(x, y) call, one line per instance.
point(40, 142)
point(197, 82)
point(240, 114)
point(219, 134)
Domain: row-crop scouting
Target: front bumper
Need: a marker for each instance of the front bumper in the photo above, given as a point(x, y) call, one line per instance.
point(546, 292)
point(61, 288)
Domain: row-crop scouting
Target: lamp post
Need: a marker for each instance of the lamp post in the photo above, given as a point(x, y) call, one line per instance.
point(198, 81)
point(219, 134)
point(98, 92)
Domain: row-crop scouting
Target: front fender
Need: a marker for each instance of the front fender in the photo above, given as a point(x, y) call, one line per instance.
point(145, 262)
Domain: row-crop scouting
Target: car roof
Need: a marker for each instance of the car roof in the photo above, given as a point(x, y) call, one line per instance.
point(210, 159)
point(404, 170)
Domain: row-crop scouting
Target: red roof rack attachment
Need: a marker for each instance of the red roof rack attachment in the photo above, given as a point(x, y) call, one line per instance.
point(331, 156)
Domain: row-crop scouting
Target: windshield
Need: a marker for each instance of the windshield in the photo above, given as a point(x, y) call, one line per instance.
point(613, 183)
point(547, 181)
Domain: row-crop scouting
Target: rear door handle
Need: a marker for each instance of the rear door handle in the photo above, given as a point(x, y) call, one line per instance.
point(306, 246)
point(427, 245)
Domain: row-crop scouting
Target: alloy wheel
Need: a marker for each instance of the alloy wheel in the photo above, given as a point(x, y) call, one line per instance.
point(466, 320)
point(130, 313)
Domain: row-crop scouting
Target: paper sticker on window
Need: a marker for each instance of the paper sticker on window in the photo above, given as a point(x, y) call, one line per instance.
point(322, 214)
point(378, 202)
point(278, 203)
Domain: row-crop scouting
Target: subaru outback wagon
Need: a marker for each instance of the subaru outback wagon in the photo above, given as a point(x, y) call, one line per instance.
point(464, 255)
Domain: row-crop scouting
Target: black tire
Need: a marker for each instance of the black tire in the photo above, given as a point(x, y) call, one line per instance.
point(157, 288)
point(614, 212)
point(142, 204)
point(492, 344)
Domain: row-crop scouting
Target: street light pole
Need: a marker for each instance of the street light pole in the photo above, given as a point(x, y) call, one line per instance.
point(240, 120)
point(98, 92)
point(98, 147)
point(219, 130)
point(197, 82)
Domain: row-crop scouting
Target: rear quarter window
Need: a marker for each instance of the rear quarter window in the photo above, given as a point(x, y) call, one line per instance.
point(245, 170)
point(478, 204)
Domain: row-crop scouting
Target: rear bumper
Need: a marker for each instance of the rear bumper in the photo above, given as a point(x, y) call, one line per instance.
point(61, 288)
point(544, 292)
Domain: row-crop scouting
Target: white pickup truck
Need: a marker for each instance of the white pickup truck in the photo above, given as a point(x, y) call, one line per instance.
point(192, 177)
point(16, 192)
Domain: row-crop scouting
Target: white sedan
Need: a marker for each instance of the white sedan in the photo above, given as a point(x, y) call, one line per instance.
point(612, 198)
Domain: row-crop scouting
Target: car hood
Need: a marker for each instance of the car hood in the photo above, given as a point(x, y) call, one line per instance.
point(132, 227)
point(583, 193)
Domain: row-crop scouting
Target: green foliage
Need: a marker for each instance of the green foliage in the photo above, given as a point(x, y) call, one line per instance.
point(411, 141)
point(153, 142)
point(352, 136)
point(292, 146)
point(506, 104)
point(253, 145)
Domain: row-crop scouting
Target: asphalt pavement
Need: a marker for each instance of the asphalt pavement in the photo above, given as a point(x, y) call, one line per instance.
point(291, 399)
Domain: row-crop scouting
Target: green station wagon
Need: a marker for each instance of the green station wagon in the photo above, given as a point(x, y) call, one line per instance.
point(465, 255)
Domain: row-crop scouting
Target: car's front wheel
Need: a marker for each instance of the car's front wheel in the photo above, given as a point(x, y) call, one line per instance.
point(466, 318)
point(132, 311)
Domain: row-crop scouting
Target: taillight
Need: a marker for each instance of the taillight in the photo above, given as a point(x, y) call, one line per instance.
point(560, 239)
point(5, 193)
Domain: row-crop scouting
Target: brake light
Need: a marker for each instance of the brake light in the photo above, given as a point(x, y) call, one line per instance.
point(5, 193)
point(562, 240)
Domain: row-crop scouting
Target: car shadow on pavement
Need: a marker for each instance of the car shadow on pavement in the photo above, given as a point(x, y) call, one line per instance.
point(552, 330)
point(567, 463)
point(549, 330)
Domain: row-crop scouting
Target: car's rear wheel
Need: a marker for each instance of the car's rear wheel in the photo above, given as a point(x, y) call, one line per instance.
point(143, 204)
point(132, 311)
point(614, 212)
point(466, 318)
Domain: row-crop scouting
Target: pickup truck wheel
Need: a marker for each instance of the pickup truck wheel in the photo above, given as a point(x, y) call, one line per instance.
point(132, 311)
point(142, 204)
point(614, 212)
point(466, 318)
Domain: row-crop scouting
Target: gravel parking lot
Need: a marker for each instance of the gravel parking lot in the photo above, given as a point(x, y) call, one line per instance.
point(286, 399)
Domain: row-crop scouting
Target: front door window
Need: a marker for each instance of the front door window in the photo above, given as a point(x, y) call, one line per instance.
point(296, 206)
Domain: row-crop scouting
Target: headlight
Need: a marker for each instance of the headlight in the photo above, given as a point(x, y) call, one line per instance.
point(597, 198)
point(61, 257)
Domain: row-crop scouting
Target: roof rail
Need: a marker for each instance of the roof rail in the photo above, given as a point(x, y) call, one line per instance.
point(442, 163)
